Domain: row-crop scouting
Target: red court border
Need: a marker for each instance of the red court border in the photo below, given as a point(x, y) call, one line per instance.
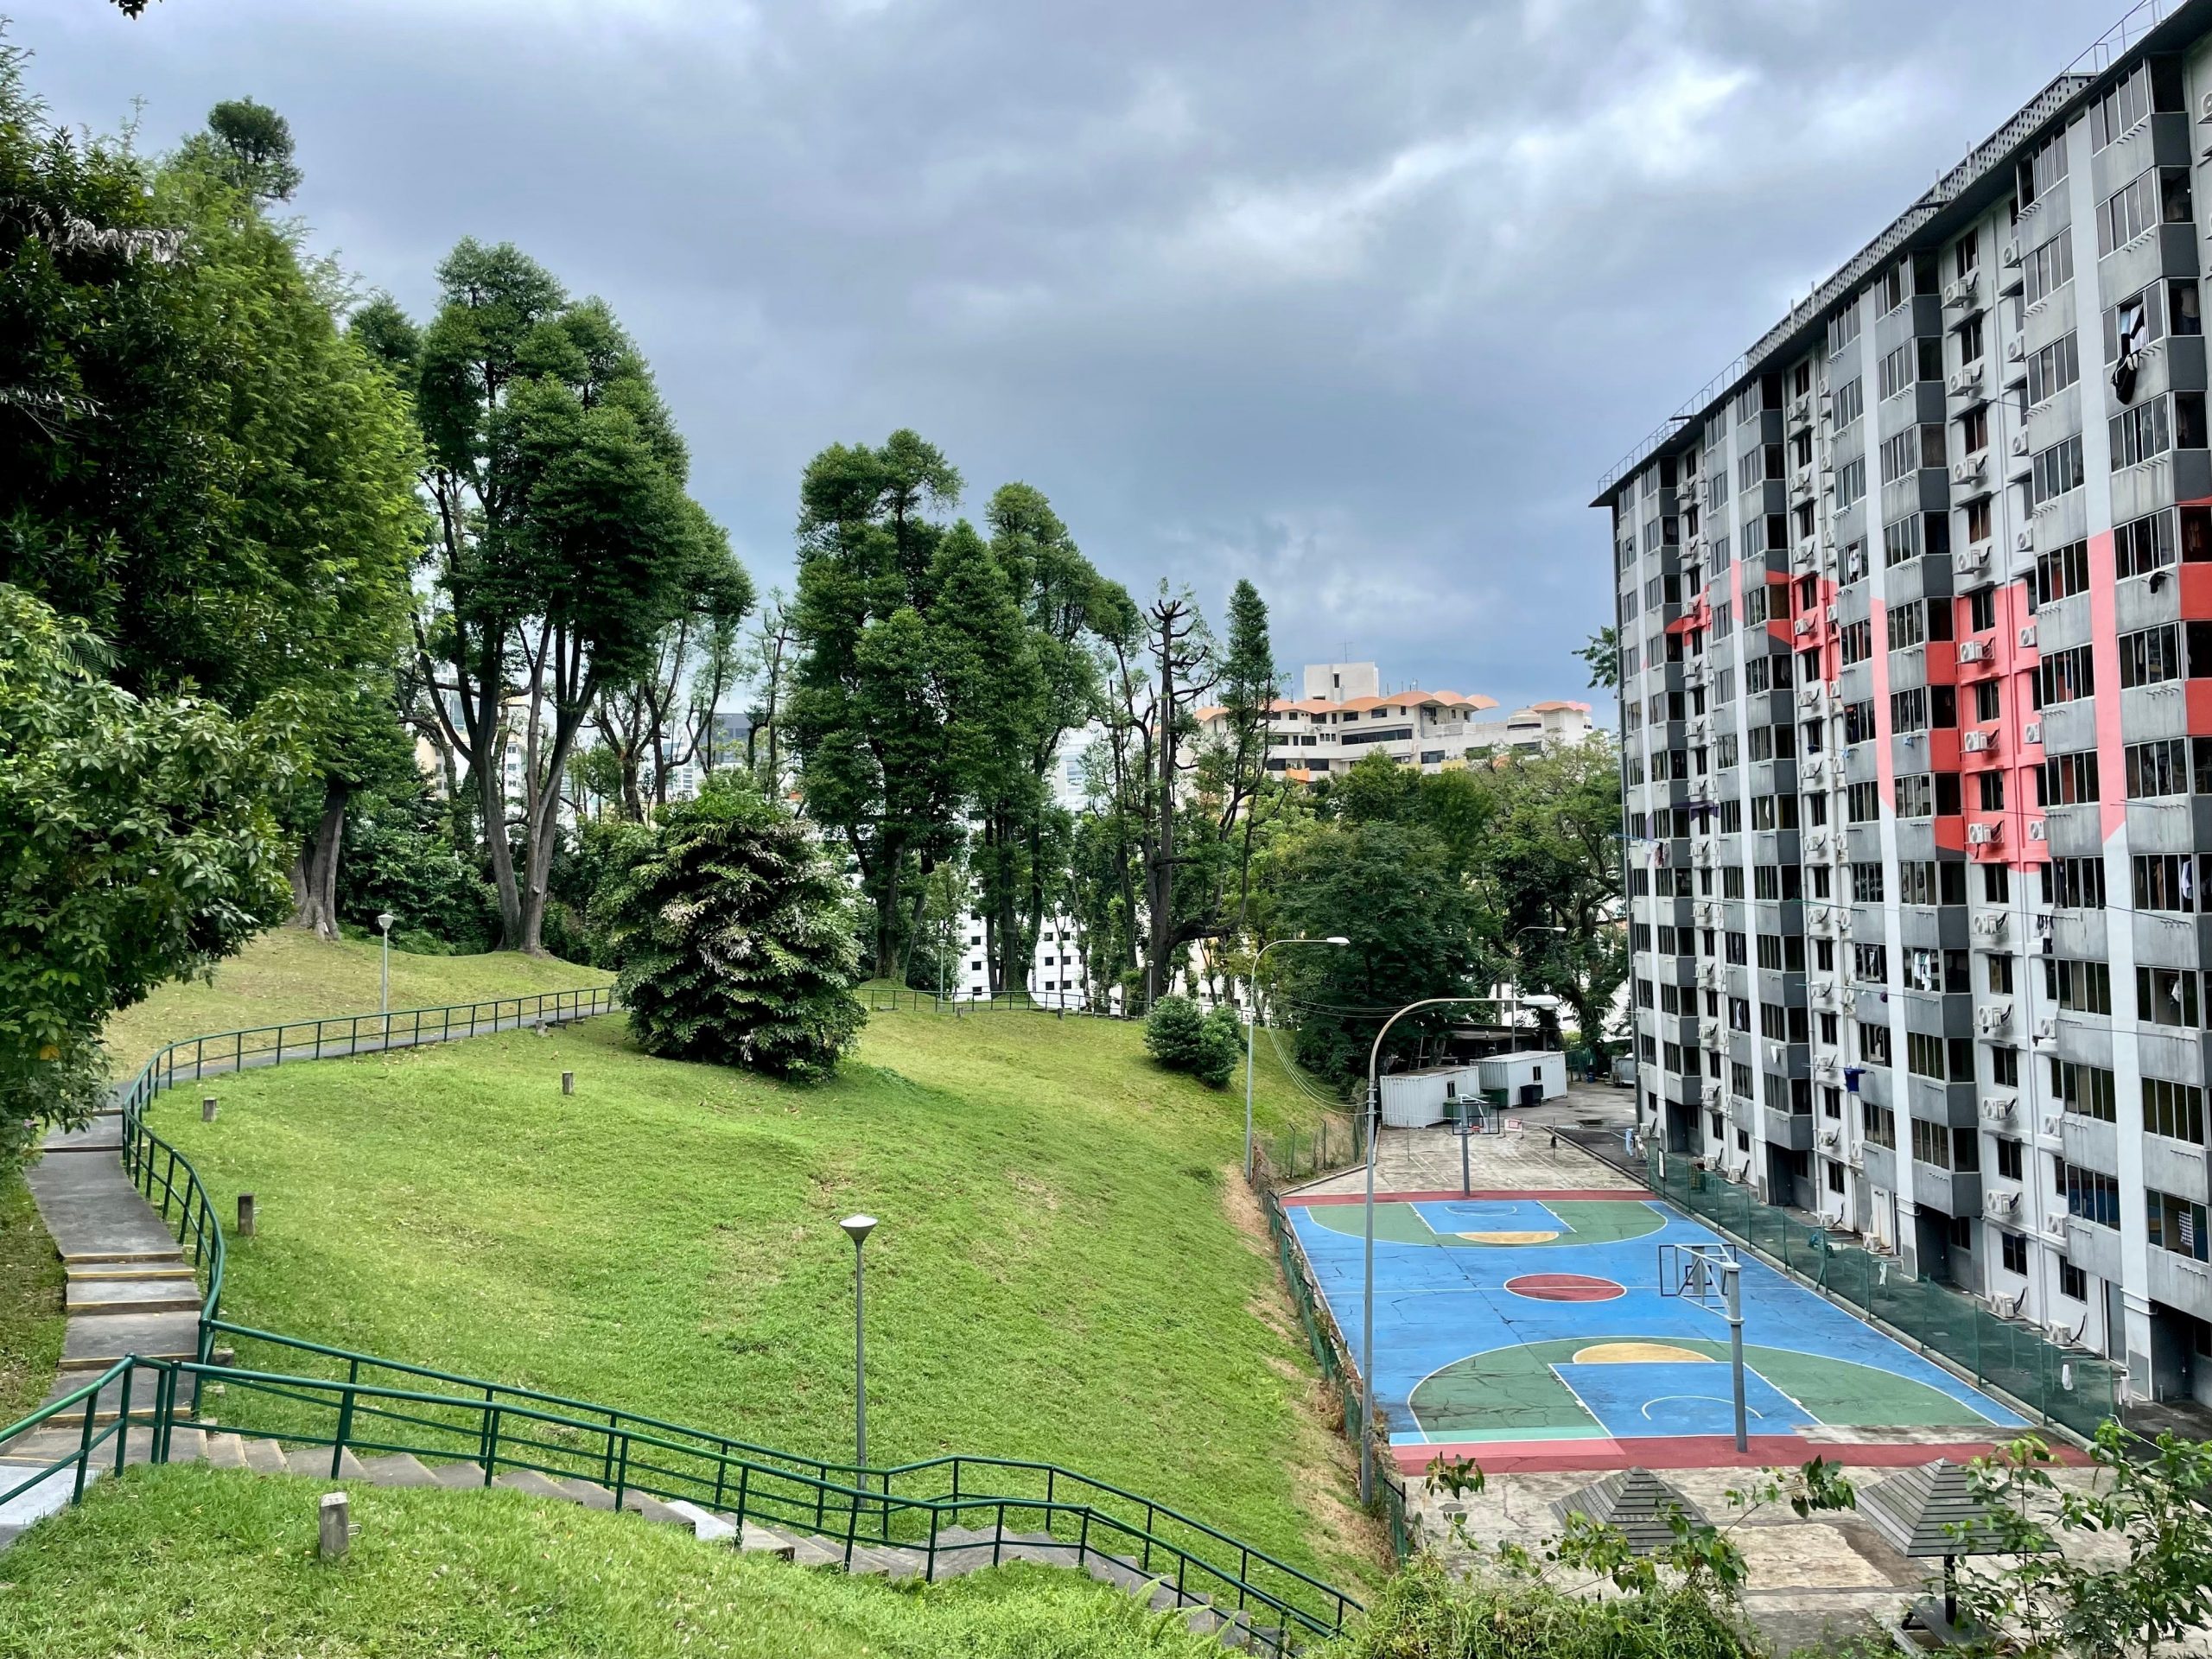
point(1604, 1455)
point(1630, 1194)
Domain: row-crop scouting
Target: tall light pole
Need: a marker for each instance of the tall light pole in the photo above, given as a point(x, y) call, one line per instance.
point(385, 919)
point(1252, 1024)
point(857, 1228)
point(1367, 1298)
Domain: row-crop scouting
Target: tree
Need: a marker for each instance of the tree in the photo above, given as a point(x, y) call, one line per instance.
point(251, 146)
point(1415, 930)
point(193, 458)
point(868, 711)
point(732, 939)
point(136, 845)
point(662, 719)
point(1552, 860)
point(565, 545)
point(1188, 803)
point(1602, 654)
point(767, 661)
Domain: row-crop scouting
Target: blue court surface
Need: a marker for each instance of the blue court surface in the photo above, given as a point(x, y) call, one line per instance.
point(1536, 1321)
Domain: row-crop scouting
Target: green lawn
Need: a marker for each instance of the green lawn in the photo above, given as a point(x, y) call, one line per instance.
point(286, 974)
point(31, 1301)
point(221, 1564)
point(1064, 1270)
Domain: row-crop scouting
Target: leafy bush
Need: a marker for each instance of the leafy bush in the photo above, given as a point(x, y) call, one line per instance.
point(398, 859)
point(731, 937)
point(1425, 1612)
point(1181, 1039)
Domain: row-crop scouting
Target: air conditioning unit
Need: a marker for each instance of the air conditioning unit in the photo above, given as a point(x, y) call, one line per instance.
point(1816, 773)
point(1855, 1159)
point(1695, 674)
point(2028, 637)
point(2016, 350)
point(1969, 470)
point(1700, 728)
point(1966, 382)
point(1974, 742)
point(1802, 627)
point(1801, 480)
point(1710, 1092)
point(1708, 975)
point(1992, 1019)
point(2051, 1120)
point(2037, 831)
point(1990, 923)
point(1974, 556)
point(1816, 844)
point(2204, 109)
point(1981, 835)
point(1801, 412)
point(1707, 912)
point(1708, 1032)
point(2000, 1203)
point(1828, 1139)
point(1808, 552)
point(1704, 854)
point(1774, 1053)
point(2019, 445)
point(1824, 995)
point(2032, 732)
point(1972, 651)
point(2047, 1029)
point(2024, 542)
point(1997, 1108)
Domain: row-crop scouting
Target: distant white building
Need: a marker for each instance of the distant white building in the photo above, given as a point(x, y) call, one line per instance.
point(1344, 716)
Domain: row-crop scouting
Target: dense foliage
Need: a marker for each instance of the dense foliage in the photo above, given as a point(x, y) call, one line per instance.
point(1427, 1613)
point(1183, 1038)
point(732, 938)
point(136, 844)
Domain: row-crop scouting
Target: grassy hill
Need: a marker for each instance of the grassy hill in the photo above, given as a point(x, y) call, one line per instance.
point(222, 1564)
point(1066, 1270)
point(31, 1301)
point(286, 974)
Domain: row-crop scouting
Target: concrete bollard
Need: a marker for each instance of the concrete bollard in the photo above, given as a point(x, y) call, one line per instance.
point(245, 1215)
point(334, 1526)
point(207, 1109)
point(567, 1083)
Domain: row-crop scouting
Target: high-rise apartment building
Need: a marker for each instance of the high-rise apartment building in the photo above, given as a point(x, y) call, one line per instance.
point(1915, 611)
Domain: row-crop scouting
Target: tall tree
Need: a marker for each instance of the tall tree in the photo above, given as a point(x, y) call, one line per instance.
point(661, 720)
point(767, 662)
point(194, 457)
point(867, 714)
point(565, 545)
point(1187, 798)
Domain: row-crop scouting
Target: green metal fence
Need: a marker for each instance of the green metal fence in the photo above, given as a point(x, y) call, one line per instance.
point(1301, 1154)
point(2077, 1391)
point(454, 1420)
point(881, 998)
point(1333, 1355)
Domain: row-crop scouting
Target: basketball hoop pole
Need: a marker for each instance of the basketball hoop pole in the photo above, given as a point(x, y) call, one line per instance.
point(1366, 1424)
point(1732, 1280)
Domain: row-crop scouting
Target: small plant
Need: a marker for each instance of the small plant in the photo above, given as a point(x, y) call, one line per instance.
point(1181, 1039)
point(2149, 1582)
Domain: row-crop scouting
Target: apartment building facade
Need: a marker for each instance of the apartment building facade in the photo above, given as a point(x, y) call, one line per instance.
point(1916, 606)
point(1344, 716)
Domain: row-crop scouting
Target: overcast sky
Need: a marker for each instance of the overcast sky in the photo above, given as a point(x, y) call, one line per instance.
point(1357, 299)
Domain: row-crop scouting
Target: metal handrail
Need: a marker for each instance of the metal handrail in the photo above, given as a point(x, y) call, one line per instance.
point(168, 1179)
point(496, 1434)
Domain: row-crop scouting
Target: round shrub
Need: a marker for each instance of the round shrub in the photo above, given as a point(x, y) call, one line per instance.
point(1181, 1039)
point(732, 939)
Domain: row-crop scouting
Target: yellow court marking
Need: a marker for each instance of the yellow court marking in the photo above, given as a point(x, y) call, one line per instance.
point(1510, 1238)
point(1637, 1353)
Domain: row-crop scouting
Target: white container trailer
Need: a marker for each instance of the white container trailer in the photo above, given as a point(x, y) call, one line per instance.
point(1543, 1071)
point(1414, 1100)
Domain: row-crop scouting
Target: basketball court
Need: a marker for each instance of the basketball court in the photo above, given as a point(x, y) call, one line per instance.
point(1549, 1330)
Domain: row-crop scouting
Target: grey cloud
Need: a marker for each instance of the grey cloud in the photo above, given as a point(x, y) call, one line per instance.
point(1356, 299)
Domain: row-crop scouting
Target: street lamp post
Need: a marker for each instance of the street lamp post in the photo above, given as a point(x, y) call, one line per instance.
point(1367, 1298)
point(1251, 1027)
point(385, 919)
point(857, 1228)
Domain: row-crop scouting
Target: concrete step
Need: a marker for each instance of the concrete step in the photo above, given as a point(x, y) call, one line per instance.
point(172, 1269)
point(110, 1296)
point(95, 1344)
point(809, 1551)
point(102, 1134)
point(590, 1494)
point(756, 1540)
point(705, 1524)
point(397, 1469)
point(655, 1510)
point(107, 1404)
point(90, 1209)
point(226, 1450)
point(537, 1485)
point(73, 1260)
point(264, 1457)
point(460, 1477)
point(316, 1460)
point(887, 1562)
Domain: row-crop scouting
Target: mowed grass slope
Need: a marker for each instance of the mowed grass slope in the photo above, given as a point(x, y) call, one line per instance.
point(222, 1564)
point(1058, 1274)
point(31, 1301)
point(286, 974)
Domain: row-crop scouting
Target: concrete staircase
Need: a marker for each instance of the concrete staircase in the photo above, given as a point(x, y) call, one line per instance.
point(960, 1550)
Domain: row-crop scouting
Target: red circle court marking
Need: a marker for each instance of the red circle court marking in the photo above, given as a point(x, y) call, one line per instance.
point(1564, 1287)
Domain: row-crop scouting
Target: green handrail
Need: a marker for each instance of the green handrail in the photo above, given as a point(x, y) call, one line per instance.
point(167, 1177)
point(501, 1437)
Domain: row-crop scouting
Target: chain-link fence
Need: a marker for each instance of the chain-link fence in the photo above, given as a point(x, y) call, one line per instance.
point(2077, 1389)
